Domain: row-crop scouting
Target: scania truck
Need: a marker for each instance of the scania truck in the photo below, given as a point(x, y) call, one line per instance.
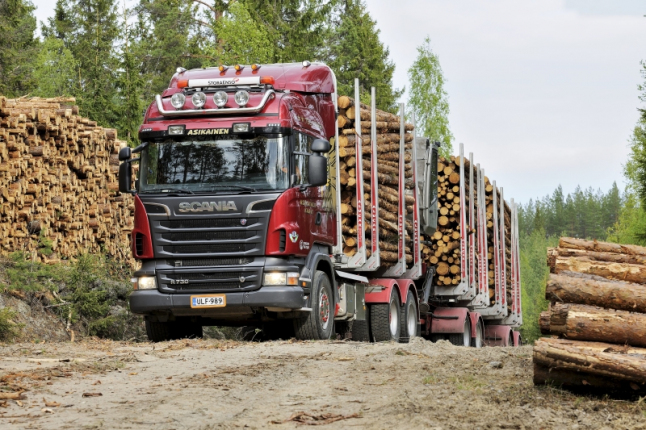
point(237, 221)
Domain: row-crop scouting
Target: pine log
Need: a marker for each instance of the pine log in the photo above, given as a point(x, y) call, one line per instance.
point(544, 322)
point(583, 322)
point(608, 294)
point(612, 362)
point(619, 271)
point(585, 383)
point(610, 257)
point(593, 245)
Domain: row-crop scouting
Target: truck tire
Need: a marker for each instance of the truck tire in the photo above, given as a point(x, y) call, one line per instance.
point(361, 329)
point(478, 341)
point(319, 323)
point(464, 338)
point(158, 331)
point(385, 320)
point(410, 320)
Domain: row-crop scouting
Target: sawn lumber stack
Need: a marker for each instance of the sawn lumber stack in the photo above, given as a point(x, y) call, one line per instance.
point(58, 182)
point(597, 317)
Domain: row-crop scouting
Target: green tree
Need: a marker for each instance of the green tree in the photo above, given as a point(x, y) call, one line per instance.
point(240, 40)
point(89, 29)
point(355, 51)
point(55, 70)
point(297, 29)
point(18, 47)
point(428, 98)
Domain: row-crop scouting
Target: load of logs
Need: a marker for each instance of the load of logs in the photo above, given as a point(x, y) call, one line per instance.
point(597, 318)
point(388, 141)
point(58, 183)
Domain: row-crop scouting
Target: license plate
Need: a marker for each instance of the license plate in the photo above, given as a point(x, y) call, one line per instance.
point(208, 301)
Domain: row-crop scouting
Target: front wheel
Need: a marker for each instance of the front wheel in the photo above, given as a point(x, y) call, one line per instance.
point(319, 323)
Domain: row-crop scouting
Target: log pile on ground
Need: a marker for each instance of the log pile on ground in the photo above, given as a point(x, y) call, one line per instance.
point(597, 317)
point(388, 141)
point(58, 182)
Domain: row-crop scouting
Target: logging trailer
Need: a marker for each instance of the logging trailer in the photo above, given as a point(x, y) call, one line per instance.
point(237, 220)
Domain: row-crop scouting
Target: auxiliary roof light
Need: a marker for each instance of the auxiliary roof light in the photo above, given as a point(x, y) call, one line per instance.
point(178, 100)
point(242, 98)
point(223, 68)
point(255, 67)
point(220, 98)
point(306, 63)
point(269, 80)
point(238, 67)
point(198, 99)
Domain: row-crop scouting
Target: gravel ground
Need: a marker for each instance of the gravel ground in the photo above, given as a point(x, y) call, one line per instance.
point(209, 384)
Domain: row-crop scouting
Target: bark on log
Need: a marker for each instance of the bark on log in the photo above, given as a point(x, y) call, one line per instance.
point(544, 322)
point(613, 362)
point(593, 245)
point(608, 294)
point(586, 383)
point(583, 322)
point(619, 271)
point(610, 257)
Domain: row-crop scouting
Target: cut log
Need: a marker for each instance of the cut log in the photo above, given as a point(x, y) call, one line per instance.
point(544, 322)
point(583, 322)
point(593, 245)
point(586, 383)
point(608, 294)
point(613, 362)
point(619, 271)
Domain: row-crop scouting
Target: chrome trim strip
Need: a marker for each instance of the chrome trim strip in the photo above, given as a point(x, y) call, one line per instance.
point(166, 208)
point(199, 112)
point(252, 204)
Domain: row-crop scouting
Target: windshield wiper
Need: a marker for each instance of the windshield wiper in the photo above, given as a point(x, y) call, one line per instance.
point(176, 191)
point(239, 187)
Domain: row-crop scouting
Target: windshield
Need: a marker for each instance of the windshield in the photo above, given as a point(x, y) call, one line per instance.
point(203, 164)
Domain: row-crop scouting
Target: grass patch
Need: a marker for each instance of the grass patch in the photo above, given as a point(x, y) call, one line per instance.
point(467, 382)
point(8, 328)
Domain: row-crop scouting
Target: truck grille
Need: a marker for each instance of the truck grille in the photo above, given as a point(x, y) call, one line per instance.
point(209, 235)
point(188, 262)
point(204, 249)
point(211, 281)
point(207, 223)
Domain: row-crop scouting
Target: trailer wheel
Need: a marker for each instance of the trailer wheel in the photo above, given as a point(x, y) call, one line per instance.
point(478, 341)
point(385, 320)
point(464, 338)
point(319, 323)
point(361, 329)
point(410, 320)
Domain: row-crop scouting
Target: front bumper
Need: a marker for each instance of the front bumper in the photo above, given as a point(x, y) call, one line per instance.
point(153, 301)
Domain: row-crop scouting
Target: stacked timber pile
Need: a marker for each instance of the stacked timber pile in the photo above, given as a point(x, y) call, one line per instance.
point(597, 318)
point(388, 141)
point(58, 182)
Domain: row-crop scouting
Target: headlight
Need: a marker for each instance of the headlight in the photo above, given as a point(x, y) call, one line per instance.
point(198, 99)
point(275, 279)
point(178, 100)
point(147, 283)
point(242, 98)
point(289, 278)
point(220, 98)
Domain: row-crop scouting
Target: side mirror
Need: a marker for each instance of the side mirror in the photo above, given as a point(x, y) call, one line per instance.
point(321, 146)
point(317, 169)
point(124, 153)
point(125, 176)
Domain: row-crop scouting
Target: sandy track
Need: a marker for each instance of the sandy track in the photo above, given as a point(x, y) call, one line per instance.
point(204, 384)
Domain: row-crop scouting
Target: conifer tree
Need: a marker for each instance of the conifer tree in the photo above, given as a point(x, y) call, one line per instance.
point(355, 51)
point(18, 47)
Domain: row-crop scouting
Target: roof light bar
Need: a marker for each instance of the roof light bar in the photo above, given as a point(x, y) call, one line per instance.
point(199, 112)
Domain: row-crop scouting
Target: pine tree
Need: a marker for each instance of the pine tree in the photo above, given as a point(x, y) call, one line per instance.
point(356, 52)
point(18, 47)
point(89, 29)
point(428, 98)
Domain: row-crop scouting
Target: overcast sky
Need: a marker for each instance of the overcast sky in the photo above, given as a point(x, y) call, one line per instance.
point(542, 92)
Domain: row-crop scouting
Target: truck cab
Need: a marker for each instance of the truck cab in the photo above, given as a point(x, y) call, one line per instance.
point(235, 212)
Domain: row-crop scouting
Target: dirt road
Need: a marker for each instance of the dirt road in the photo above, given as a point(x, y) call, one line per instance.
point(210, 384)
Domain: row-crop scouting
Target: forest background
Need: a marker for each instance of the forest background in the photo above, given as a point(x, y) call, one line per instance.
point(115, 56)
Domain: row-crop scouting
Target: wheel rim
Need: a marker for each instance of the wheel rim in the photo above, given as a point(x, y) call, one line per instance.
point(392, 318)
point(412, 319)
point(466, 335)
point(324, 309)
